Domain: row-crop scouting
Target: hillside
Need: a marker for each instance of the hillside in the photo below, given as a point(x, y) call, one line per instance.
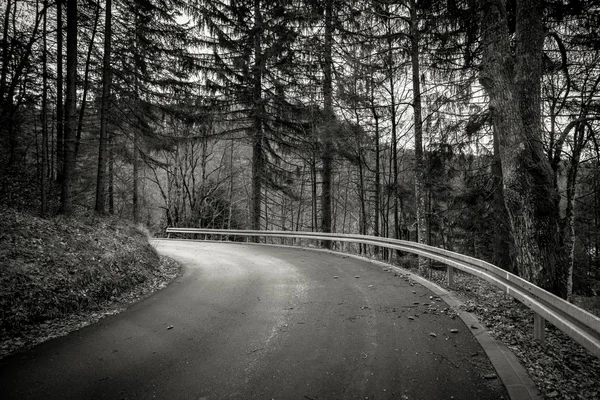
point(60, 274)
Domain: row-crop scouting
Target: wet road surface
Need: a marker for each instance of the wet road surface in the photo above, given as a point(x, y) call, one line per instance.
point(262, 322)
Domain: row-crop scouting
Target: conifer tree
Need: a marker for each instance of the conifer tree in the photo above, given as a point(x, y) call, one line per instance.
point(248, 73)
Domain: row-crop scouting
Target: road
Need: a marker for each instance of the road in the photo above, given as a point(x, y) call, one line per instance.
point(262, 322)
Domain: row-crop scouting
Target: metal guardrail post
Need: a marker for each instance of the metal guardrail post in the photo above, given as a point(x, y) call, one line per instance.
point(539, 327)
point(450, 276)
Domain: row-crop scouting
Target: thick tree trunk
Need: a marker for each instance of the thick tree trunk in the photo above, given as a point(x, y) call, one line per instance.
point(502, 239)
point(103, 141)
point(513, 87)
point(327, 153)
point(420, 197)
point(258, 158)
point(71, 109)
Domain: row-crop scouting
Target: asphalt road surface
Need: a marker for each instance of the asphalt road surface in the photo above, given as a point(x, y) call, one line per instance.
point(262, 322)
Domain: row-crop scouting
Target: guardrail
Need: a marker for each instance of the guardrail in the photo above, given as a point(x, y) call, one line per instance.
point(579, 324)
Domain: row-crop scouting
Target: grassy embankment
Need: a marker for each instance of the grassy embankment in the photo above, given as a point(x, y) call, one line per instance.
point(59, 274)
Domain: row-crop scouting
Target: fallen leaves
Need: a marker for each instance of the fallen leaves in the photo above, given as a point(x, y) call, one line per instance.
point(560, 367)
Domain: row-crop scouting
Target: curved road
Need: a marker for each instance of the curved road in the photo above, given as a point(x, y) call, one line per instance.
point(262, 322)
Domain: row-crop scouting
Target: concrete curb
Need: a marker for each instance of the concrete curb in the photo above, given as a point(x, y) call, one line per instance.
point(513, 375)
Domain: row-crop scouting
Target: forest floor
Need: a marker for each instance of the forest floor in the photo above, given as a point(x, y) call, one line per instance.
point(560, 367)
point(60, 274)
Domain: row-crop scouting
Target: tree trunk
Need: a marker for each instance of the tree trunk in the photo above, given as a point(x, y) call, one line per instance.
point(258, 157)
point(5, 60)
point(529, 192)
point(60, 129)
point(71, 109)
point(362, 197)
point(230, 205)
point(568, 226)
point(327, 152)
point(377, 199)
point(111, 173)
point(136, 134)
point(421, 205)
point(394, 141)
point(502, 239)
point(313, 187)
point(135, 199)
point(86, 78)
point(103, 141)
point(44, 171)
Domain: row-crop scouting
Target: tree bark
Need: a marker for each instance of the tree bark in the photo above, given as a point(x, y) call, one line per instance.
point(377, 199)
point(136, 131)
point(135, 198)
point(44, 171)
point(258, 158)
point(103, 141)
point(86, 78)
point(502, 239)
point(513, 86)
point(71, 109)
point(111, 173)
point(5, 61)
point(327, 152)
point(60, 130)
point(418, 122)
point(394, 144)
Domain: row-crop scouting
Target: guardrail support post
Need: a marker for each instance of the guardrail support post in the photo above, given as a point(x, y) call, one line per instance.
point(450, 276)
point(539, 327)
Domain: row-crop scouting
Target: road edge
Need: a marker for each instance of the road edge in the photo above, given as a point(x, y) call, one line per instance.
point(508, 367)
point(513, 375)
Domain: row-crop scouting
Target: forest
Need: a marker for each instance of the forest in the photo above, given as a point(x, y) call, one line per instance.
point(463, 124)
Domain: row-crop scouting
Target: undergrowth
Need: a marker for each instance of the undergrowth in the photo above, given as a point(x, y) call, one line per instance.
point(51, 268)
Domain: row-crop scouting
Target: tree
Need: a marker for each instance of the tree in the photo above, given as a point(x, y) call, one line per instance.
point(418, 127)
point(104, 110)
point(248, 75)
point(71, 110)
point(513, 87)
point(60, 130)
point(327, 152)
point(44, 169)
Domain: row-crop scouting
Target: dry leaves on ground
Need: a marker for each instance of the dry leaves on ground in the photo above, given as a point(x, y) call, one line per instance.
point(560, 367)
